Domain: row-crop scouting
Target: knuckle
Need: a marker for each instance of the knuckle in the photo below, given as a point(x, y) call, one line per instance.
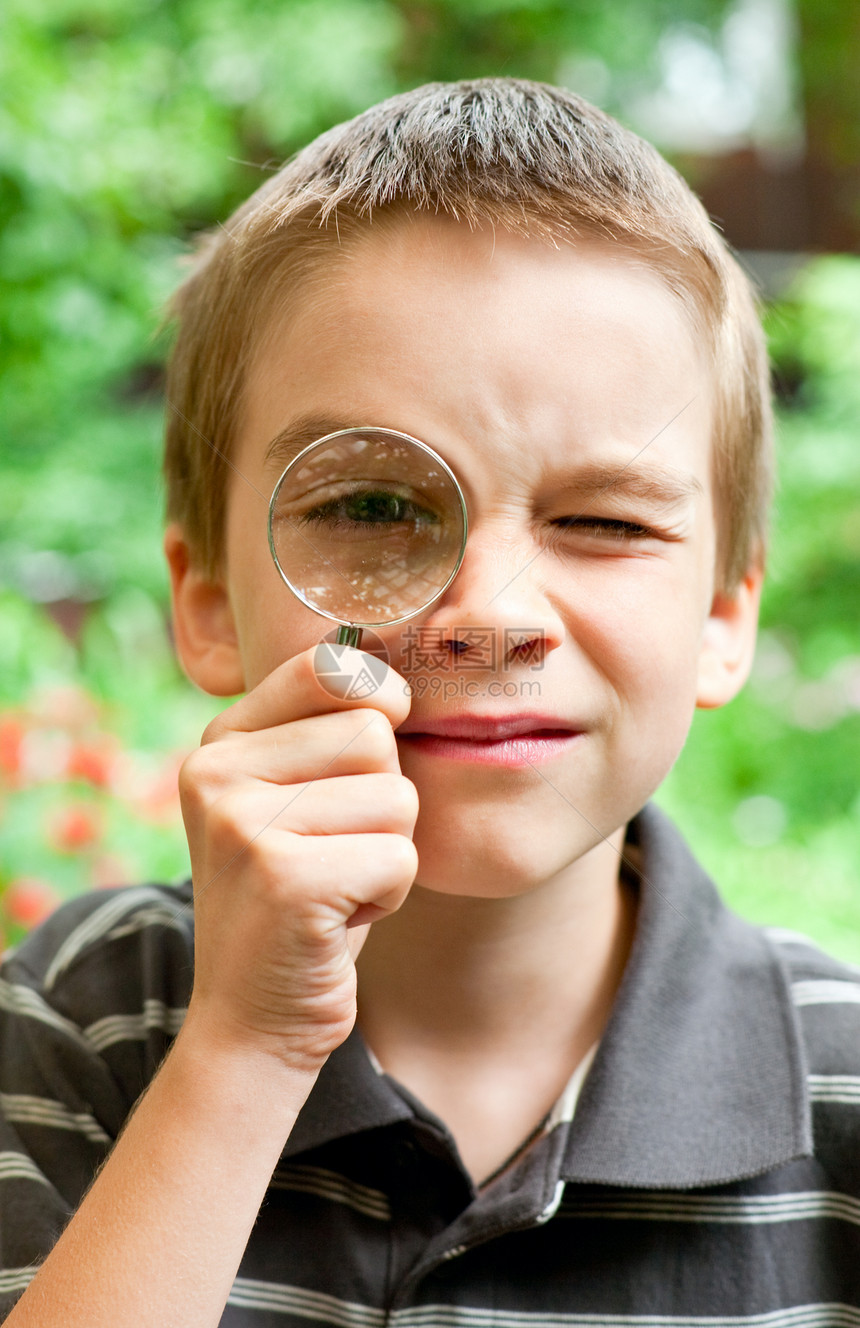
point(401, 797)
point(352, 723)
point(201, 776)
point(229, 826)
point(194, 774)
point(213, 731)
point(304, 667)
point(377, 736)
point(276, 865)
point(266, 862)
point(404, 858)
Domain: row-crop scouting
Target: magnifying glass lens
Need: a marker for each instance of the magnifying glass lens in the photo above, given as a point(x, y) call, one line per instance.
point(368, 526)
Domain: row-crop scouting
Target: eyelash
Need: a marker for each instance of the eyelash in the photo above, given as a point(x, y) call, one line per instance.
point(608, 526)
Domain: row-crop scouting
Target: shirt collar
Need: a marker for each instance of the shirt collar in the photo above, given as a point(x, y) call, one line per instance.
point(699, 1078)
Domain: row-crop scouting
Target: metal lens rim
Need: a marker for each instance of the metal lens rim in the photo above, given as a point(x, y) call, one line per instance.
point(390, 433)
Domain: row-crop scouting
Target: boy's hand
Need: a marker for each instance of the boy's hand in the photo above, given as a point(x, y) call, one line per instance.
point(299, 824)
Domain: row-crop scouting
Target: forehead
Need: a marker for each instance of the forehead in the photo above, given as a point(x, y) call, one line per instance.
point(454, 335)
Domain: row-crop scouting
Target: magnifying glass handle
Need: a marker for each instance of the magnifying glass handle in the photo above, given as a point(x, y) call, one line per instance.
point(348, 636)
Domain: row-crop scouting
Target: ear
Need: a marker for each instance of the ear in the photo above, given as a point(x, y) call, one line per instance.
point(205, 633)
point(728, 642)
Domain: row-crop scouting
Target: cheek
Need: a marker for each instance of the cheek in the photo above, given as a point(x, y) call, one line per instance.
point(278, 631)
point(272, 625)
point(643, 632)
point(275, 624)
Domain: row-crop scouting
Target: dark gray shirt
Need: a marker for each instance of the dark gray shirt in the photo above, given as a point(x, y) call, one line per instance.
point(709, 1175)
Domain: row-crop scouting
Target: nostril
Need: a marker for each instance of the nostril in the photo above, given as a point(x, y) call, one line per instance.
point(527, 651)
point(457, 647)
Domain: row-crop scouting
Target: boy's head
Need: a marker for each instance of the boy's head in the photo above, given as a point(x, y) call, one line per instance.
point(507, 275)
point(501, 154)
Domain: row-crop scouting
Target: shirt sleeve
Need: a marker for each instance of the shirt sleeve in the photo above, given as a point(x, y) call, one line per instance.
point(88, 1007)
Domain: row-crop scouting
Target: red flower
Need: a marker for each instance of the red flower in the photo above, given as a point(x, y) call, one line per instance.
point(159, 802)
point(28, 900)
point(11, 744)
point(92, 761)
point(75, 828)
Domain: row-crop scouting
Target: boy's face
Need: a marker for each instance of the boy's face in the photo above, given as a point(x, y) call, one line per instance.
point(534, 371)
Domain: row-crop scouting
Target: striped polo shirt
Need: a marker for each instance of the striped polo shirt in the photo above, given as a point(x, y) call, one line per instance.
point(708, 1173)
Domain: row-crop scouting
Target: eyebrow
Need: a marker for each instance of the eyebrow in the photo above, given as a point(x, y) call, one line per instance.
point(661, 485)
point(300, 434)
point(657, 484)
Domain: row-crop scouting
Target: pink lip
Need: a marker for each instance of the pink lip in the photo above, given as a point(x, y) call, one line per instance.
point(487, 728)
point(512, 740)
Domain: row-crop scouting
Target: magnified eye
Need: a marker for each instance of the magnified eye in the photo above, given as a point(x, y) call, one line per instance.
point(372, 507)
point(368, 512)
point(378, 507)
point(367, 526)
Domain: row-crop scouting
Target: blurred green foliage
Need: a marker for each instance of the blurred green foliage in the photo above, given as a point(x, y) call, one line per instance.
point(128, 125)
point(769, 788)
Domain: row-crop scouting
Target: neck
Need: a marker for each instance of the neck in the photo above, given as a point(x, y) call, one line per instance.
point(476, 979)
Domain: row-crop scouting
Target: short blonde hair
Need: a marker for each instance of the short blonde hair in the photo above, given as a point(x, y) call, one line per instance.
point(507, 153)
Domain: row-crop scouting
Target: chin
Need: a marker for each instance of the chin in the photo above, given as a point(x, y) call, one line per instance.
point(486, 861)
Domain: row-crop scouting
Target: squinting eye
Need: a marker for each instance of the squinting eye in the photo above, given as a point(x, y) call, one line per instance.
point(605, 527)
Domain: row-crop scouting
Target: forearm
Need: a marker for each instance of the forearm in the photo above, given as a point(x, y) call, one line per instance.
point(160, 1235)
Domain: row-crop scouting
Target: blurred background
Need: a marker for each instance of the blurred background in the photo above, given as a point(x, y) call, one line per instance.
point(128, 125)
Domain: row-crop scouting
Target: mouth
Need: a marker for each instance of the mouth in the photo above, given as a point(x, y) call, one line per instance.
point(513, 740)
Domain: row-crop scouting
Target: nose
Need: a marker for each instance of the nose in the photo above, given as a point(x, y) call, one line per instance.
point(499, 606)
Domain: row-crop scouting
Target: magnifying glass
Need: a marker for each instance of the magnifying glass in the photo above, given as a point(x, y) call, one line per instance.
point(367, 527)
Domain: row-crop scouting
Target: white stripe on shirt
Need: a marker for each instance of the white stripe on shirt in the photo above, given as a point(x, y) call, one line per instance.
point(22, 1109)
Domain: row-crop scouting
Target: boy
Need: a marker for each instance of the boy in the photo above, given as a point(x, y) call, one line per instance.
point(576, 1091)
